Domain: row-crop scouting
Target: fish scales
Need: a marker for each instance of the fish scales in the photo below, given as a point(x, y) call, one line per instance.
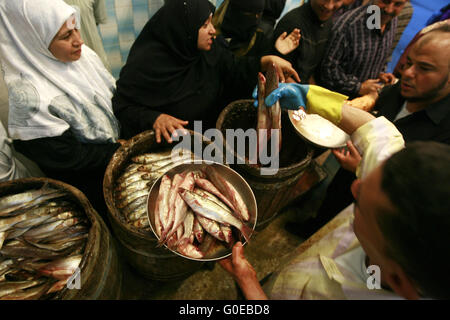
point(211, 210)
point(229, 192)
point(275, 110)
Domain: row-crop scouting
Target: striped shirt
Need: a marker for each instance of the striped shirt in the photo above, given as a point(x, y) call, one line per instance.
point(355, 53)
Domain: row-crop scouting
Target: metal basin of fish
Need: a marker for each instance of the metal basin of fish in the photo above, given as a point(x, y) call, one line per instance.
point(318, 130)
point(216, 250)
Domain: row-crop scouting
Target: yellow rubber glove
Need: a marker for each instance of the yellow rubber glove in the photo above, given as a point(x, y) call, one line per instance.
point(315, 99)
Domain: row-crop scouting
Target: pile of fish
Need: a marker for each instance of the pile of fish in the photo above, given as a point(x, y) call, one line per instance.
point(194, 203)
point(133, 186)
point(268, 118)
point(42, 239)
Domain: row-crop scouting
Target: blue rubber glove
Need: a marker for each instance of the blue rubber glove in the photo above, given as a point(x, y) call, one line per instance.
point(312, 98)
point(290, 95)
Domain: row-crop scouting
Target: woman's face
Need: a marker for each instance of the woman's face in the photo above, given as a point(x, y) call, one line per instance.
point(66, 45)
point(206, 34)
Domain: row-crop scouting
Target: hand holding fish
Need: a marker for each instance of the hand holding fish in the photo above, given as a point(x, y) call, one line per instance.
point(312, 98)
point(243, 273)
point(285, 43)
point(291, 96)
point(167, 125)
point(284, 68)
point(349, 159)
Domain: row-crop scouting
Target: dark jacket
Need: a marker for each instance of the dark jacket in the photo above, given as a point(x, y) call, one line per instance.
point(432, 123)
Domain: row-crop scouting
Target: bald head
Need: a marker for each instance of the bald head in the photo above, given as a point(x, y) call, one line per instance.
point(426, 74)
point(436, 38)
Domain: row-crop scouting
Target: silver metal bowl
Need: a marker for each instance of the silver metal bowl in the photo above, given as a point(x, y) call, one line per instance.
point(217, 249)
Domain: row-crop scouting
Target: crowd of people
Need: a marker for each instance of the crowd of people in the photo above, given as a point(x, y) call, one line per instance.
point(69, 115)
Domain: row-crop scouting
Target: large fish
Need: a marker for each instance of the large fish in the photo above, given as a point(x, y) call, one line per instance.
point(18, 249)
point(190, 250)
point(162, 209)
point(264, 120)
point(9, 288)
point(180, 206)
point(209, 209)
point(49, 229)
point(176, 182)
point(229, 192)
point(275, 111)
point(61, 269)
point(188, 228)
point(13, 204)
point(147, 158)
point(130, 197)
point(211, 197)
point(212, 227)
point(208, 186)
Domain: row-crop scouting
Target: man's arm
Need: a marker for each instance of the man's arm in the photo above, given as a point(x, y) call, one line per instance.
point(243, 273)
point(352, 118)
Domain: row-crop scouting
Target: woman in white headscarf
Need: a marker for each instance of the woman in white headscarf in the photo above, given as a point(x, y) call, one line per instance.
point(59, 93)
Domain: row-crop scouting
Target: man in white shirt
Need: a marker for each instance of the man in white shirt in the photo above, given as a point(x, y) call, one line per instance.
point(401, 216)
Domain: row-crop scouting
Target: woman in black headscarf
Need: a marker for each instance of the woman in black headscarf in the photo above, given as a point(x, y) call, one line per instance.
point(176, 74)
point(236, 23)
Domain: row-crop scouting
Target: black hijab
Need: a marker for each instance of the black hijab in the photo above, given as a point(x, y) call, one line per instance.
point(238, 24)
point(164, 65)
point(273, 10)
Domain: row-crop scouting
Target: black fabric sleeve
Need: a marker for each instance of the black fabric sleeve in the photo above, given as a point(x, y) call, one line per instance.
point(136, 119)
point(133, 118)
point(66, 153)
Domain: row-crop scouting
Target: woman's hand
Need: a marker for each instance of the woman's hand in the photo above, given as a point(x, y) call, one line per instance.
point(285, 44)
point(122, 142)
point(243, 273)
point(284, 68)
point(349, 159)
point(167, 126)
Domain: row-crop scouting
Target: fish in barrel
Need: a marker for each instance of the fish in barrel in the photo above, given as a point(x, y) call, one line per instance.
point(134, 184)
point(43, 234)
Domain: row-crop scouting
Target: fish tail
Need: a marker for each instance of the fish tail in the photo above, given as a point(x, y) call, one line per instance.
point(246, 231)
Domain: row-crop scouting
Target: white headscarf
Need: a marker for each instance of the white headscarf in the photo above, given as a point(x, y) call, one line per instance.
point(47, 96)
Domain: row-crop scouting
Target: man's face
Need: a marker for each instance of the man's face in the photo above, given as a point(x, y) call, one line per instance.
point(66, 45)
point(369, 201)
point(325, 9)
point(390, 9)
point(426, 74)
point(206, 35)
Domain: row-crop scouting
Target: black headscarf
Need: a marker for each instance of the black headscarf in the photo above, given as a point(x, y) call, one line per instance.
point(238, 25)
point(273, 10)
point(164, 65)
